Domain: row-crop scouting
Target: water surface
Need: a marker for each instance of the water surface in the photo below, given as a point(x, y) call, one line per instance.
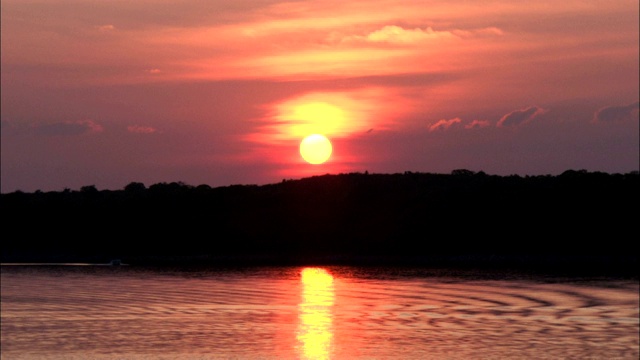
point(89, 312)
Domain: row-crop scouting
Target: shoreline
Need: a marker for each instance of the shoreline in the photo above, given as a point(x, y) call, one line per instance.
point(549, 265)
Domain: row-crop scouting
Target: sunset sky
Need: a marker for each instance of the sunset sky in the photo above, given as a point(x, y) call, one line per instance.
point(105, 93)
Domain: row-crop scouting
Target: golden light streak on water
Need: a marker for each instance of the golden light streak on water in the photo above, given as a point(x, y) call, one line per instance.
point(315, 331)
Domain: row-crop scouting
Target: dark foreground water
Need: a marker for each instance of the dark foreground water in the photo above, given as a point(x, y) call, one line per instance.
point(102, 312)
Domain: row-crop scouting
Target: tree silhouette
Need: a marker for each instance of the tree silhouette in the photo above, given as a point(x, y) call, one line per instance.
point(135, 187)
point(347, 216)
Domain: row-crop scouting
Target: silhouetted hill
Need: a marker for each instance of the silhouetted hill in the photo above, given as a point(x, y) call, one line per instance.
point(462, 215)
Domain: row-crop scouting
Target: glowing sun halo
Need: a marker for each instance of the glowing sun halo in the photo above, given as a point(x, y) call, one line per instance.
point(315, 149)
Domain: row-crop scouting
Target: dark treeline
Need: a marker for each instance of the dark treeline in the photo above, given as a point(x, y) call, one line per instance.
point(463, 215)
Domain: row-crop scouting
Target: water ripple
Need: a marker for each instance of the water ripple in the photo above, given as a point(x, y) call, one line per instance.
point(134, 314)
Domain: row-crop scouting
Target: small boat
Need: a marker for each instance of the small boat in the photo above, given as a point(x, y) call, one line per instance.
point(115, 262)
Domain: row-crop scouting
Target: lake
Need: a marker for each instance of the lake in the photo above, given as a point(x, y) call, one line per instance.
point(128, 312)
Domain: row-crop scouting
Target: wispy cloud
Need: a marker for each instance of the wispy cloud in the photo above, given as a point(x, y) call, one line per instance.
point(105, 28)
point(69, 128)
point(397, 35)
point(519, 117)
point(488, 31)
point(137, 129)
point(393, 34)
point(475, 124)
point(617, 113)
point(273, 39)
point(445, 124)
point(334, 114)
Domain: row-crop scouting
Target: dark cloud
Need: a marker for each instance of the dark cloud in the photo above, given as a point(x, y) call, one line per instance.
point(69, 128)
point(617, 113)
point(522, 116)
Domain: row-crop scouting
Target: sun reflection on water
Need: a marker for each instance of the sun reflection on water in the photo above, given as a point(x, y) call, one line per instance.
point(315, 319)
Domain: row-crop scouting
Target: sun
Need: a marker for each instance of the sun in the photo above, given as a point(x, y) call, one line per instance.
point(315, 149)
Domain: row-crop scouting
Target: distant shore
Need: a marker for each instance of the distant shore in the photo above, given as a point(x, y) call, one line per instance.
point(578, 221)
point(479, 265)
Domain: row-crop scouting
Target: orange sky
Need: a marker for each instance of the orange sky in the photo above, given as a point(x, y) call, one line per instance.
point(218, 92)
